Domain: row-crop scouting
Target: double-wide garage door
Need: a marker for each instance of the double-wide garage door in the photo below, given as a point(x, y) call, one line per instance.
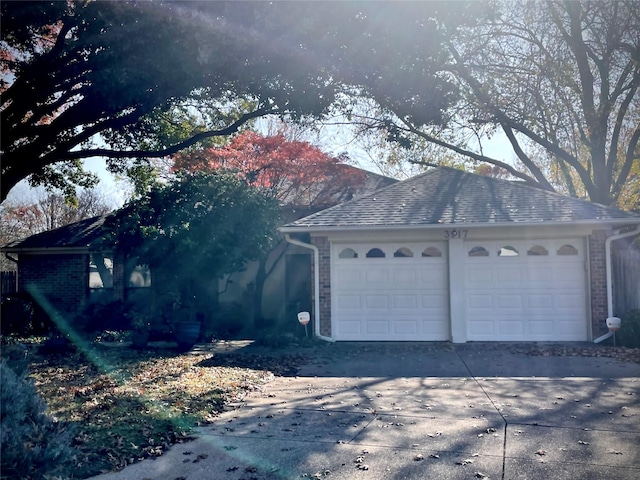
point(513, 291)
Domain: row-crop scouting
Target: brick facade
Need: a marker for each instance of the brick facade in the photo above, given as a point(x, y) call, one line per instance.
point(598, 281)
point(60, 280)
point(324, 252)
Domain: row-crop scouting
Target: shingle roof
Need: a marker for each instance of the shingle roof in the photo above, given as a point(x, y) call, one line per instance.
point(449, 196)
point(76, 235)
point(83, 233)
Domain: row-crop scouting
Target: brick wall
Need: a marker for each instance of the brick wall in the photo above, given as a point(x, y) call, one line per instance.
point(62, 280)
point(325, 283)
point(598, 280)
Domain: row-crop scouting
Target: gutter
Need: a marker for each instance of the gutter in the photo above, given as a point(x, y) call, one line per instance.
point(316, 284)
point(607, 254)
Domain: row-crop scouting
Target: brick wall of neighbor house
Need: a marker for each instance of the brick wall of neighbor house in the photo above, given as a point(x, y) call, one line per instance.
point(598, 279)
point(63, 280)
point(325, 283)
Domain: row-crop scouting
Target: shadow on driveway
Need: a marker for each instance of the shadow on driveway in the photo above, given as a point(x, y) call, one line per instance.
point(416, 411)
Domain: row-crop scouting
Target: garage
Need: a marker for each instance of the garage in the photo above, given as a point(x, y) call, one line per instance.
point(390, 291)
point(451, 255)
point(526, 291)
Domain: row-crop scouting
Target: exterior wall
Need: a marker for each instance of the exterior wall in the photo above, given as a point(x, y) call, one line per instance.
point(325, 283)
point(60, 280)
point(598, 281)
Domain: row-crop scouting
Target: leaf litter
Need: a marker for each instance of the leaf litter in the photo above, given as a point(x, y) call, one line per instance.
point(140, 402)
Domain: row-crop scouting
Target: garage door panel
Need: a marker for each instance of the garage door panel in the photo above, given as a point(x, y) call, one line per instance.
point(480, 301)
point(377, 327)
point(349, 302)
point(346, 277)
point(510, 327)
point(541, 327)
point(478, 275)
point(508, 302)
point(405, 327)
point(349, 327)
point(391, 298)
point(570, 301)
point(405, 302)
point(435, 302)
point(376, 302)
point(509, 275)
point(526, 297)
point(432, 274)
point(540, 301)
point(376, 277)
point(407, 276)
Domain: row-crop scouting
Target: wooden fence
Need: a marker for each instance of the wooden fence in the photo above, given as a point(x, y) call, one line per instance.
point(9, 282)
point(625, 265)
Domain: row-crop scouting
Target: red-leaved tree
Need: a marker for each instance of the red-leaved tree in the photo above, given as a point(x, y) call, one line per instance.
point(298, 174)
point(295, 172)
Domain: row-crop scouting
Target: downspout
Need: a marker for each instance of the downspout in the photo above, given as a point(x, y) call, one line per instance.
point(316, 283)
point(607, 255)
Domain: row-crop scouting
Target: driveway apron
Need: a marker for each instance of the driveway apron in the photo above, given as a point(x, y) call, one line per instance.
point(420, 411)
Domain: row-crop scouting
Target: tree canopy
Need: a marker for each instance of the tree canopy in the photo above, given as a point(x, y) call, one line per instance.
point(559, 79)
point(195, 229)
point(294, 172)
point(83, 79)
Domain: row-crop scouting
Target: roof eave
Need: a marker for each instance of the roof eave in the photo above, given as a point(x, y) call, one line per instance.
point(442, 226)
point(47, 250)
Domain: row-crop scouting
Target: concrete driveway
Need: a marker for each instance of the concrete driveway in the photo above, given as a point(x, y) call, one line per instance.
point(422, 411)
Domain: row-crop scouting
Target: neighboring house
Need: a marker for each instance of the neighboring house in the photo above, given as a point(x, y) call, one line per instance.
point(69, 267)
point(449, 255)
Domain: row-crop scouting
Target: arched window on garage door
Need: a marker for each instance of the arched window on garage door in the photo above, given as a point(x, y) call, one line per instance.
point(478, 251)
point(431, 252)
point(375, 253)
point(508, 251)
point(537, 250)
point(403, 252)
point(348, 253)
point(567, 250)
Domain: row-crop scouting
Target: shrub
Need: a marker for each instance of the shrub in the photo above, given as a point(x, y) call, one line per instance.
point(34, 446)
point(629, 333)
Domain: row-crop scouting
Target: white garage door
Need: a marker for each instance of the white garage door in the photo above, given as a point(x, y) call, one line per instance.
point(389, 292)
point(526, 291)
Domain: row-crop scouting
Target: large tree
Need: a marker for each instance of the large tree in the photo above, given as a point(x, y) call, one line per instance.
point(298, 175)
point(193, 230)
point(117, 79)
point(83, 79)
point(558, 79)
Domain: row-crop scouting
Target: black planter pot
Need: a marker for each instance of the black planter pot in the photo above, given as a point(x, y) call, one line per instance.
point(186, 334)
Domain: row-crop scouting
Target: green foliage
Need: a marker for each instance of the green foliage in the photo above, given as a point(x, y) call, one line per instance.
point(34, 446)
point(629, 333)
point(70, 71)
point(193, 230)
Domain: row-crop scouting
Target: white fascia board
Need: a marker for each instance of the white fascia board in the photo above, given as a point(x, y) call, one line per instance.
point(319, 230)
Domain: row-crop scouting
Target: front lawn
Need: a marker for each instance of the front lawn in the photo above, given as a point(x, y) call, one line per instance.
point(127, 405)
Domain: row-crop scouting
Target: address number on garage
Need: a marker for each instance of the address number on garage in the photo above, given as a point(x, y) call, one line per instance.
point(455, 233)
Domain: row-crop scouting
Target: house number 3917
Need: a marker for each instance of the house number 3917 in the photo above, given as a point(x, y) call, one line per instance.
point(455, 233)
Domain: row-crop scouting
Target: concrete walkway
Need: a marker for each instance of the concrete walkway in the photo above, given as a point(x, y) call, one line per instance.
point(423, 411)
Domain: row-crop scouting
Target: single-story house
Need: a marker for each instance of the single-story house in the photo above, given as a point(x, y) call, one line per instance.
point(449, 255)
point(70, 268)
